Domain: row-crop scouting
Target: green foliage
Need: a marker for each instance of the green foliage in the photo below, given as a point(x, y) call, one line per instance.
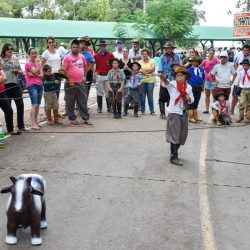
point(243, 4)
point(5, 8)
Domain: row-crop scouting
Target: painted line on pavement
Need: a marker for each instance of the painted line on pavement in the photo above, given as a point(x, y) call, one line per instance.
point(206, 222)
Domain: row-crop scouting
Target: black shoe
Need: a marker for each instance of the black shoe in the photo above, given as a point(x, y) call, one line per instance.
point(125, 114)
point(163, 116)
point(115, 116)
point(136, 115)
point(119, 116)
point(99, 110)
point(152, 113)
point(176, 161)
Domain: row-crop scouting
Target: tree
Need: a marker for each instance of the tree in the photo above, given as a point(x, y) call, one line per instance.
point(243, 4)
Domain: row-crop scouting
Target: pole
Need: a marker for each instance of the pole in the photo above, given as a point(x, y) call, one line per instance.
point(145, 6)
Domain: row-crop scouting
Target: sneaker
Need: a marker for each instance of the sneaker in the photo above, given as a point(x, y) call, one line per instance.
point(136, 115)
point(74, 122)
point(152, 113)
point(99, 110)
point(119, 116)
point(176, 161)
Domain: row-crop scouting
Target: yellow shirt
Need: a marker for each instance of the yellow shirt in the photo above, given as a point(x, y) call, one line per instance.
point(148, 78)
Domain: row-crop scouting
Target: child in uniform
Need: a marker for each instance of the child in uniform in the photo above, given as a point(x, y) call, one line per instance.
point(177, 121)
point(116, 79)
point(243, 78)
point(221, 110)
point(133, 84)
point(51, 102)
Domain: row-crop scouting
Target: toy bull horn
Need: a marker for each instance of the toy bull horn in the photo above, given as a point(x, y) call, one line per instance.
point(26, 207)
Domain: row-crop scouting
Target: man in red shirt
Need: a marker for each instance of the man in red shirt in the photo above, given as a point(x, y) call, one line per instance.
point(102, 58)
point(76, 90)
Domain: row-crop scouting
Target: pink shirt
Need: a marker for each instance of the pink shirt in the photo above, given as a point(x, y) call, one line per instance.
point(208, 66)
point(1, 83)
point(30, 80)
point(74, 64)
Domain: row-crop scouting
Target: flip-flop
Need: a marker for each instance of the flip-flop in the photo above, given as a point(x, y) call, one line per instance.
point(18, 132)
point(35, 128)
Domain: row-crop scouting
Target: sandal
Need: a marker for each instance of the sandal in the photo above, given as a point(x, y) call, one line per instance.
point(35, 127)
point(87, 122)
point(15, 132)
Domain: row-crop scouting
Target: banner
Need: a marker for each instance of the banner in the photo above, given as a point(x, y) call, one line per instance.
point(242, 25)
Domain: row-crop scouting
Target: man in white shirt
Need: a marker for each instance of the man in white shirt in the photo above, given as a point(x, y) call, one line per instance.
point(118, 52)
point(223, 73)
point(135, 51)
point(62, 50)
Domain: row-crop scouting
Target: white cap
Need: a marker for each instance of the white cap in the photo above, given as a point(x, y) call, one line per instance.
point(62, 43)
point(224, 53)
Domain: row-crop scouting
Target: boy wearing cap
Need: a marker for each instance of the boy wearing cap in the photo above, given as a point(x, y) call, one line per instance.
point(133, 84)
point(221, 110)
point(223, 73)
point(177, 121)
point(243, 79)
point(116, 79)
point(196, 81)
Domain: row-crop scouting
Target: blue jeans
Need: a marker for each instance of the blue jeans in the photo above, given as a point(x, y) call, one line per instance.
point(147, 89)
point(35, 93)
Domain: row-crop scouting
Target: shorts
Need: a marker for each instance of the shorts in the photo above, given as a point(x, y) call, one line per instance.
point(35, 93)
point(236, 91)
point(209, 85)
point(51, 101)
point(227, 91)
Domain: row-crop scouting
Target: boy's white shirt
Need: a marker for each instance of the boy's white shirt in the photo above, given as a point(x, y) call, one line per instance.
point(174, 93)
point(239, 79)
point(216, 105)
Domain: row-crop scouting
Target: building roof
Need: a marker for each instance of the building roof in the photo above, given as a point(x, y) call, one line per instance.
point(41, 28)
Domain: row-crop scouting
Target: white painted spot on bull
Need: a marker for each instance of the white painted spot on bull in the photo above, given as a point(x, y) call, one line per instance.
point(8, 202)
point(19, 195)
point(37, 202)
point(36, 241)
point(11, 240)
point(43, 224)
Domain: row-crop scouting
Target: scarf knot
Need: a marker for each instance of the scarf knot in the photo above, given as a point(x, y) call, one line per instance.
point(182, 89)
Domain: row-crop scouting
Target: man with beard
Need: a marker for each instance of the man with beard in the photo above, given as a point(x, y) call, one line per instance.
point(135, 51)
point(102, 59)
point(76, 89)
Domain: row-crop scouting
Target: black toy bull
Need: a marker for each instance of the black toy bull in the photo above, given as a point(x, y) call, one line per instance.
point(26, 207)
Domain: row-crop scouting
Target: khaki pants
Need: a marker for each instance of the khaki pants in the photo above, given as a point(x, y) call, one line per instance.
point(51, 101)
point(245, 99)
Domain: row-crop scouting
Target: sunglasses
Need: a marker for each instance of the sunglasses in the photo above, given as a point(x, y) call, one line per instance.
point(51, 42)
point(11, 49)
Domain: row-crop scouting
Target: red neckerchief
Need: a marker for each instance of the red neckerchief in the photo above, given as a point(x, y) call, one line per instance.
point(116, 74)
point(182, 89)
point(134, 75)
point(244, 78)
point(169, 57)
point(223, 106)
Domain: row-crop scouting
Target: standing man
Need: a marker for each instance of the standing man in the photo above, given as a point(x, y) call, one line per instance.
point(135, 51)
point(62, 50)
point(102, 59)
point(167, 60)
point(84, 43)
point(223, 73)
point(76, 89)
point(118, 52)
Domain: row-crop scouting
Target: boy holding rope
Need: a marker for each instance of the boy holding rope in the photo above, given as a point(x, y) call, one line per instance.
point(177, 121)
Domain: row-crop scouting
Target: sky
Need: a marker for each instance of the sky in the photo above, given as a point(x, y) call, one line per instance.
point(216, 15)
point(216, 12)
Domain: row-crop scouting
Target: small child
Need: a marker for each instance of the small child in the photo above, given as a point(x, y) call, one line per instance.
point(163, 93)
point(116, 79)
point(133, 84)
point(51, 102)
point(196, 81)
point(243, 78)
point(221, 110)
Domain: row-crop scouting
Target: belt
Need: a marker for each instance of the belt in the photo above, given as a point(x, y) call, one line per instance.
point(102, 74)
point(136, 89)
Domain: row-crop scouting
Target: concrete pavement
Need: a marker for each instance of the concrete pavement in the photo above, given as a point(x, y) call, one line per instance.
point(111, 186)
